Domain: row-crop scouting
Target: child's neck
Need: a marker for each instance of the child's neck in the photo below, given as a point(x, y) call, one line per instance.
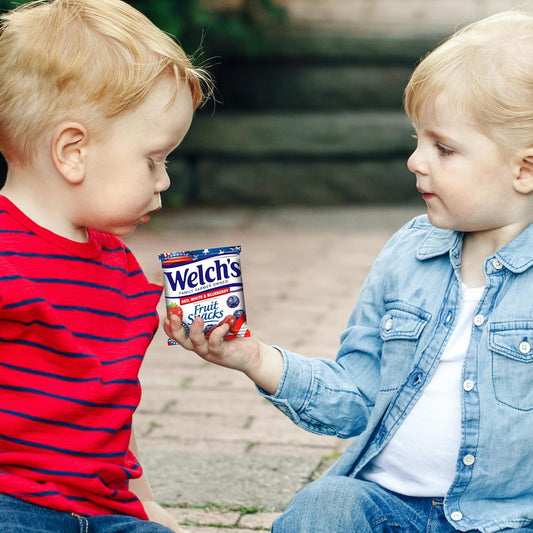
point(478, 246)
point(43, 208)
point(472, 263)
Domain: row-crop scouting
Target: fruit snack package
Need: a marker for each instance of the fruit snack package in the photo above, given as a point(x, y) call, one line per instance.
point(206, 283)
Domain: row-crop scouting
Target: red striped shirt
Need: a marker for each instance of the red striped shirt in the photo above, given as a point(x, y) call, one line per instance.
point(75, 322)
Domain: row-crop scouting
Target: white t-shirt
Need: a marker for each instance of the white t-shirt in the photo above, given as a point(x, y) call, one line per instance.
point(420, 459)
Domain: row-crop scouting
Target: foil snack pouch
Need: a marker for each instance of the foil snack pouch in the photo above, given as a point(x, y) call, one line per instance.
point(205, 283)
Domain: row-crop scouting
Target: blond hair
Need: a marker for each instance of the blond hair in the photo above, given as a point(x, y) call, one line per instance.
point(80, 59)
point(486, 72)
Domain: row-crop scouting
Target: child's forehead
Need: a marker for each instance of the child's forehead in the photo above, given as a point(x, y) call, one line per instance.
point(160, 119)
point(443, 103)
point(165, 98)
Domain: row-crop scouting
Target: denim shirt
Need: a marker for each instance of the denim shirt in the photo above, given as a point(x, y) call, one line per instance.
point(395, 336)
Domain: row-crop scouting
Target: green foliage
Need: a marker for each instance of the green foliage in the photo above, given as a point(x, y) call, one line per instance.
point(192, 25)
point(8, 4)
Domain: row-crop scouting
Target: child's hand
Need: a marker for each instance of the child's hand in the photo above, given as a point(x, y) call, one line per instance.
point(261, 363)
point(238, 354)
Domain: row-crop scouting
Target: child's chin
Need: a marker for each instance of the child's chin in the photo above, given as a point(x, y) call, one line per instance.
point(123, 231)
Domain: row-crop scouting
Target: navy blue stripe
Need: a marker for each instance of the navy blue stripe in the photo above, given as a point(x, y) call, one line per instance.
point(56, 493)
point(46, 493)
point(46, 348)
point(101, 312)
point(68, 474)
point(39, 346)
point(71, 258)
point(73, 355)
point(24, 302)
point(109, 339)
point(64, 424)
point(83, 335)
point(81, 308)
point(17, 232)
point(67, 379)
point(81, 284)
point(54, 472)
point(59, 473)
point(59, 449)
point(63, 258)
point(119, 249)
point(69, 399)
point(64, 474)
point(76, 498)
point(121, 360)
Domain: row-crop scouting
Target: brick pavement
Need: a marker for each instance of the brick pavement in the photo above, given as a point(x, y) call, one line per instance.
point(216, 453)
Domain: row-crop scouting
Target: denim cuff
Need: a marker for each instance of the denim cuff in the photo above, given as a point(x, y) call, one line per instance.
point(296, 377)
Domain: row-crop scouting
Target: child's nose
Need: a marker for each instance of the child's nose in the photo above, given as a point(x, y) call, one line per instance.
point(416, 163)
point(163, 183)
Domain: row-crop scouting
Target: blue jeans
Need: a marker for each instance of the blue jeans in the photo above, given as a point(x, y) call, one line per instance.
point(17, 516)
point(337, 504)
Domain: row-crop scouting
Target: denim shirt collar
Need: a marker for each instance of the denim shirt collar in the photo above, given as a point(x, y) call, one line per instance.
point(516, 255)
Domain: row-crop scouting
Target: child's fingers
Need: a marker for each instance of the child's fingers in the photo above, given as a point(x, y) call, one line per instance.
point(197, 336)
point(209, 347)
point(217, 334)
point(176, 329)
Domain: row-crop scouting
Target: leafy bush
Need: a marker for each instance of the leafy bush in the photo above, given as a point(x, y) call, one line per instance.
point(189, 22)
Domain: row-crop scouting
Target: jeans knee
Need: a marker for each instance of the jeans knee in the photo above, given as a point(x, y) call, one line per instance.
point(331, 503)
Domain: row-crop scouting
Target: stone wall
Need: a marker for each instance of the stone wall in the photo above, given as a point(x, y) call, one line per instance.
point(310, 111)
point(304, 118)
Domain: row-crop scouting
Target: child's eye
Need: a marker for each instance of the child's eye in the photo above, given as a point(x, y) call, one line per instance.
point(443, 150)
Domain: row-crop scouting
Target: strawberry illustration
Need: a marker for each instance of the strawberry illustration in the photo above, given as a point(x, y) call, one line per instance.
point(174, 309)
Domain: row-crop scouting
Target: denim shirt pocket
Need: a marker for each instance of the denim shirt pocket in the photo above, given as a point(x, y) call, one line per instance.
point(400, 329)
point(511, 346)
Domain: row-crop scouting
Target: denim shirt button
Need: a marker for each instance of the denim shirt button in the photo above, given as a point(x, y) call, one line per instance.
point(468, 385)
point(417, 379)
point(456, 516)
point(479, 320)
point(524, 347)
point(388, 324)
point(497, 264)
point(468, 460)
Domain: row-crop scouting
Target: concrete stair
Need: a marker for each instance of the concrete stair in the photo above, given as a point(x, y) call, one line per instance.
point(308, 118)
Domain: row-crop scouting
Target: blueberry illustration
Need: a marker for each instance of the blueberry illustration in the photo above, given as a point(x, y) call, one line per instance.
point(232, 301)
point(208, 328)
point(238, 313)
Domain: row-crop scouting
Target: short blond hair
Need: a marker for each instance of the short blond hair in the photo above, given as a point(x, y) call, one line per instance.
point(486, 71)
point(80, 59)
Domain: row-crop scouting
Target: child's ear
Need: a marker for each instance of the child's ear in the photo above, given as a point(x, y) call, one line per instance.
point(68, 144)
point(523, 182)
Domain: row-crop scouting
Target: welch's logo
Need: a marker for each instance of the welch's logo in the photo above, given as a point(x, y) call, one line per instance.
point(204, 272)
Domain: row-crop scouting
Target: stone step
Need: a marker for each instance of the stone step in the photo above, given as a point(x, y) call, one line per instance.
point(288, 68)
point(293, 158)
point(311, 135)
point(300, 87)
point(289, 44)
point(262, 182)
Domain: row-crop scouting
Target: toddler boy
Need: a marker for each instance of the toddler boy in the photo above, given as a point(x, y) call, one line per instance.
point(93, 97)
